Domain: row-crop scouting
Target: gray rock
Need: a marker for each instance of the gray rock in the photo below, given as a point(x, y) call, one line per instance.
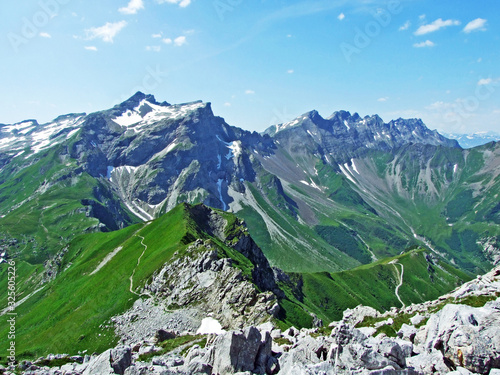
point(391, 349)
point(236, 351)
point(461, 371)
point(358, 314)
point(100, 365)
point(162, 335)
point(407, 332)
point(468, 337)
point(121, 358)
point(428, 363)
point(417, 319)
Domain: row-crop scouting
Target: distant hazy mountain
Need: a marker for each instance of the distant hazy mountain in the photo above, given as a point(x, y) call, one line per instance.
point(474, 139)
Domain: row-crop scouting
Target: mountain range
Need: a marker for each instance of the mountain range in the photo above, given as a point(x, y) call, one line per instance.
point(309, 212)
point(474, 139)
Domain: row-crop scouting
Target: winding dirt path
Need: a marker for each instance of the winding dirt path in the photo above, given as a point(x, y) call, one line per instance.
point(400, 280)
point(137, 265)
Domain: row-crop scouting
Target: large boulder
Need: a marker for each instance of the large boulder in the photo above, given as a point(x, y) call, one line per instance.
point(240, 351)
point(112, 361)
point(358, 314)
point(121, 358)
point(100, 365)
point(466, 336)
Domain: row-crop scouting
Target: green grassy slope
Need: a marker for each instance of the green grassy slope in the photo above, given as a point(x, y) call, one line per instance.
point(68, 312)
point(329, 294)
point(71, 313)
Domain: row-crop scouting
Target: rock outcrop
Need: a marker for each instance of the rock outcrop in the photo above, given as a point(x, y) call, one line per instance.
point(204, 281)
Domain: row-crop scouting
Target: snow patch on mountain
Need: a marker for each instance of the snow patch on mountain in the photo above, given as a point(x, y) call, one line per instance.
point(347, 173)
point(354, 166)
point(147, 114)
point(17, 137)
point(210, 326)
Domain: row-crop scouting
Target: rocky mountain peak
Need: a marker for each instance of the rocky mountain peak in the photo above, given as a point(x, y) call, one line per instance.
point(135, 100)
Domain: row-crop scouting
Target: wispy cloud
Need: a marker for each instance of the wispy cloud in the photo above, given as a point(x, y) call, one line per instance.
point(479, 24)
point(249, 92)
point(133, 7)
point(45, 35)
point(341, 16)
point(406, 26)
point(90, 48)
point(106, 32)
point(227, 104)
point(156, 36)
point(290, 71)
point(153, 48)
point(427, 43)
point(435, 26)
point(383, 99)
point(182, 3)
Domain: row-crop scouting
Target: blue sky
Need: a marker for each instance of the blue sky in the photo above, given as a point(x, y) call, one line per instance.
point(259, 62)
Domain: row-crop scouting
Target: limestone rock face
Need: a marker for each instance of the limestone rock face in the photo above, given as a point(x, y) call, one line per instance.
point(214, 286)
point(466, 336)
point(237, 351)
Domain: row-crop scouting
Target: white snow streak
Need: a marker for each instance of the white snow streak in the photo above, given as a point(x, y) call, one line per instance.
point(354, 166)
point(346, 173)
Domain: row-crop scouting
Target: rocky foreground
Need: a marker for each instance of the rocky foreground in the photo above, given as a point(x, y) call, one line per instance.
point(449, 335)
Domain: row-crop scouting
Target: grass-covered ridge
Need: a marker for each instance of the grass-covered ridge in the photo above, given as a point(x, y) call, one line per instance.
point(329, 294)
point(68, 313)
point(103, 274)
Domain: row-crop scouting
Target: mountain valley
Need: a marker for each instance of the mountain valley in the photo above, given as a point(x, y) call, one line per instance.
point(156, 210)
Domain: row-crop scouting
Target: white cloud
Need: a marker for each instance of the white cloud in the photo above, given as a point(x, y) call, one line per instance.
point(182, 3)
point(156, 35)
point(484, 81)
point(341, 16)
point(168, 41)
point(289, 36)
point(90, 48)
point(106, 32)
point(290, 71)
point(422, 17)
point(382, 99)
point(153, 48)
point(227, 104)
point(45, 35)
point(406, 26)
point(476, 25)
point(427, 43)
point(435, 26)
point(439, 106)
point(249, 92)
point(180, 41)
point(133, 7)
